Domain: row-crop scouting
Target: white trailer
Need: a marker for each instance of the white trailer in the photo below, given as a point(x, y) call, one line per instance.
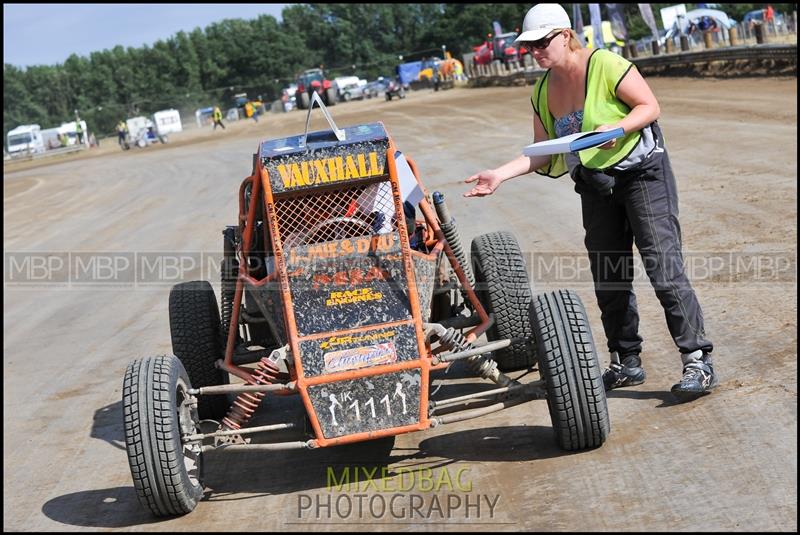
point(25, 139)
point(167, 121)
point(51, 138)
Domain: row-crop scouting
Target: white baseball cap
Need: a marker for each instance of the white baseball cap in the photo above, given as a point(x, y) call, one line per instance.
point(542, 19)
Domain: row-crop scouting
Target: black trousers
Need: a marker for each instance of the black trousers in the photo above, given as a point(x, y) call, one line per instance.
point(642, 208)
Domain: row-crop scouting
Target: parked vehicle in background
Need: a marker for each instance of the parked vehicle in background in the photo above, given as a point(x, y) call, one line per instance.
point(233, 114)
point(289, 98)
point(314, 81)
point(354, 91)
point(70, 130)
point(204, 116)
point(25, 139)
point(341, 82)
point(375, 88)
point(256, 106)
point(52, 138)
point(395, 89)
point(142, 132)
point(500, 48)
point(167, 121)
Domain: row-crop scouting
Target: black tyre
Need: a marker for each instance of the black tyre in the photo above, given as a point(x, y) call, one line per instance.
point(503, 288)
point(568, 364)
point(197, 341)
point(166, 472)
point(330, 97)
point(304, 101)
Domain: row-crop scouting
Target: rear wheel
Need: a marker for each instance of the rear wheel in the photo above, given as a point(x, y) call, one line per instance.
point(197, 341)
point(568, 364)
point(156, 414)
point(330, 96)
point(502, 286)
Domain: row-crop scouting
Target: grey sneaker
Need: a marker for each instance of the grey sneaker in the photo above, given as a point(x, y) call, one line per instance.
point(699, 377)
point(625, 372)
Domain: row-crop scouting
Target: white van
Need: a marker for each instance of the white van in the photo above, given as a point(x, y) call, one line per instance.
point(25, 139)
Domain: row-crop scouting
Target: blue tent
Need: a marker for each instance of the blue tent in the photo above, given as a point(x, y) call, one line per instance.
point(409, 72)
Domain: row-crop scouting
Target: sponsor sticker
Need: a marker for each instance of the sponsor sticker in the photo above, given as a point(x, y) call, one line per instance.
point(334, 341)
point(350, 297)
point(331, 170)
point(360, 357)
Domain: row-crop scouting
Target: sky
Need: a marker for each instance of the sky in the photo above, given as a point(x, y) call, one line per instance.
point(46, 34)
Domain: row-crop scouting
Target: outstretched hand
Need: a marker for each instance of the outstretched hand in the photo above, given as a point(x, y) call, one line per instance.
point(488, 182)
point(608, 144)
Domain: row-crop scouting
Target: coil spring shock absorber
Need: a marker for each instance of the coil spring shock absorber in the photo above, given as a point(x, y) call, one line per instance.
point(481, 366)
point(448, 225)
point(247, 402)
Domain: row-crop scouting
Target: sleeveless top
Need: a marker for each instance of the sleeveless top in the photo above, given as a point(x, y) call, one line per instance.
point(569, 123)
point(605, 71)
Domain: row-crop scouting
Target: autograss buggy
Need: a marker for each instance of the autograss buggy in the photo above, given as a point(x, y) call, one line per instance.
point(333, 291)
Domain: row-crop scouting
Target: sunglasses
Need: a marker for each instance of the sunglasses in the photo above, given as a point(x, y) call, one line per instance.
point(542, 43)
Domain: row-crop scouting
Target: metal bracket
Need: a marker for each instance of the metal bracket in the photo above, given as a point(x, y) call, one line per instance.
point(340, 135)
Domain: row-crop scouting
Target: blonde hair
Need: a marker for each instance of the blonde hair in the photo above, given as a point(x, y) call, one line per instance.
point(574, 42)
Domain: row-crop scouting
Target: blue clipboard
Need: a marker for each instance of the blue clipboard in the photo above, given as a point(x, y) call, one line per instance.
point(593, 139)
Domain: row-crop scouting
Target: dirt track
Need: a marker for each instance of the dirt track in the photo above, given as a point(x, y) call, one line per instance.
point(726, 462)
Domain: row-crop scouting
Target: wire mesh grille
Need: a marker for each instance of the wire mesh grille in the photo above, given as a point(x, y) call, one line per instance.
point(336, 214)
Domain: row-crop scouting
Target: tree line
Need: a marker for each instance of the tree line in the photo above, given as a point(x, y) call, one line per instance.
point(259, 56)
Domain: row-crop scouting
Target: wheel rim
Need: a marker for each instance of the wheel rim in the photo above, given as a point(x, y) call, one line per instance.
point(187, 423)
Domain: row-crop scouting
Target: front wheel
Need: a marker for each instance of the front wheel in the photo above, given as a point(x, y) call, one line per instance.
point(157, 413)
point(568, 364)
